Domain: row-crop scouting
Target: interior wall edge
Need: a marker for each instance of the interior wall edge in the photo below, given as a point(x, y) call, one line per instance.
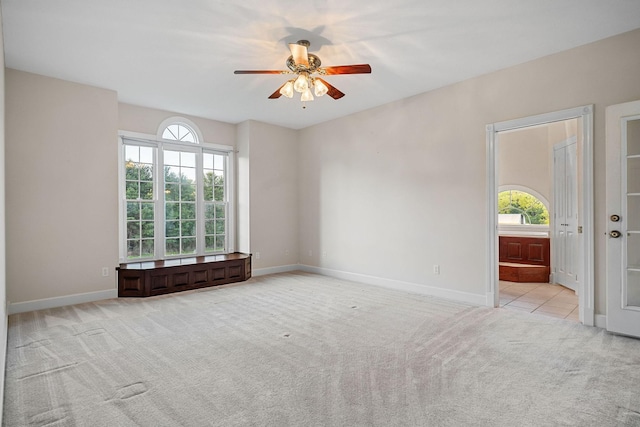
point(4, 316)
point(601, 321)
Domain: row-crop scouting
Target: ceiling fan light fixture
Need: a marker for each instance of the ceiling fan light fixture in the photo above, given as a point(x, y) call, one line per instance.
point(301, 83)
point(287, 89)
point(303, 66)
point(319, 88)
point(306, 95)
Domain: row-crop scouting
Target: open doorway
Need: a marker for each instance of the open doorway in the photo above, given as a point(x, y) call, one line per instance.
point(537, 218)
point(541, 165)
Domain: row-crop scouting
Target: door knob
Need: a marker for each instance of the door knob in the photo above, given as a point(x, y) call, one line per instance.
point(615, 218)
point(615, 234)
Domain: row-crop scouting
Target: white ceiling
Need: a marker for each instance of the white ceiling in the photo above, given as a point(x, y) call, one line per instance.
point(180, 55)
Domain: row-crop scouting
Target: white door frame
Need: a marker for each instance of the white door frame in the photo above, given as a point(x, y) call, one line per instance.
point(585, 205)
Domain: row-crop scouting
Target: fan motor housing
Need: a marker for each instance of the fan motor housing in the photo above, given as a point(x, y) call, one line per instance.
point(314, 64)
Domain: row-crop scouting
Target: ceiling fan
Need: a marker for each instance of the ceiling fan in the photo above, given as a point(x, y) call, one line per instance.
point(306, 66)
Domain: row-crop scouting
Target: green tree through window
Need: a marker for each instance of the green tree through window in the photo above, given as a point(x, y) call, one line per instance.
point(139, 196)
point(180, 202)
point(533, 211)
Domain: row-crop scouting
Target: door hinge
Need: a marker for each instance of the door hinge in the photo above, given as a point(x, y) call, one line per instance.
point(579, 229)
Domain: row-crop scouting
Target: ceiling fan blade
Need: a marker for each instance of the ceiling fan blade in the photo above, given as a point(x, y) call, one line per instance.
point(347, 69)
point(333, 92)
point(259, 72)
point(277, 94)
point(300, 54)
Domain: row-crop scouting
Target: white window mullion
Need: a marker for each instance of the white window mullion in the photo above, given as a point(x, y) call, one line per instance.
point(160, 215)
point(200, 247)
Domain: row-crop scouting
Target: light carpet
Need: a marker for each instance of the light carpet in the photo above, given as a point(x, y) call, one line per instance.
point(299, 349)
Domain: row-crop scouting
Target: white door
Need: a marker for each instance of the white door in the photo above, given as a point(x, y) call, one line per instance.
point(623, 218)
point(565, 225)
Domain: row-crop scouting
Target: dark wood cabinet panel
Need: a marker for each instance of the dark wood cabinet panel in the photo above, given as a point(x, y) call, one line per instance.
point(143, 279)
point(200, 276)
point(130, 283)
point(525, 250)
point(524, 259)
point(159, 282)
point(514, 251)
point(538, 253)
point(218, 274)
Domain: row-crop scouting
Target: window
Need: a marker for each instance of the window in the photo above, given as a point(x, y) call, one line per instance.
point(520, 207)
point(215, 207)
point(180, 182)
point(179, 132)
point(522, 211)
point(176, 196)
point(139, 196)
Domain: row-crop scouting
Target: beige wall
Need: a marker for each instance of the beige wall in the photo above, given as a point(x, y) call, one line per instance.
point(267, 168)
point(61, 187)
point(243, 181)
point(524, 158)
point(561, 131)
point(391, 191)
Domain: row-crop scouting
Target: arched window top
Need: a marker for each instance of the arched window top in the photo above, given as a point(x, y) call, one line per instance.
point(522, 206)
point(179, 129)
point(179, 132)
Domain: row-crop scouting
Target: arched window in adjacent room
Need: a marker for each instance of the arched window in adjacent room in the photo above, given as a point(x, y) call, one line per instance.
point(521, 207)
point(522, 210)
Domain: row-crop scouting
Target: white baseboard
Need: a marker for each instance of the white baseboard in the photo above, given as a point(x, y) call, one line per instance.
point(42, 304)
point(601, 321)
point(274, 270)
point(400, 285)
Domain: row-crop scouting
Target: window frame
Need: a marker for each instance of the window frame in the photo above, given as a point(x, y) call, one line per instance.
point(160, 145)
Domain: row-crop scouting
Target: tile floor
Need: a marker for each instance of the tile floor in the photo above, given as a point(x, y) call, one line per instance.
point(540, 298)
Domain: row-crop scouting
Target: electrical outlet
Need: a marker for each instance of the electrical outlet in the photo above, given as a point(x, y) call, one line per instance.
point(324, 254)
point(436, 269)
point(257, 255)
point(105, 271)
point(286, 251)
point(310, 252)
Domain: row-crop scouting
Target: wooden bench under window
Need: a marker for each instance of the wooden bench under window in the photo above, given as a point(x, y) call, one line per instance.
point(524, 259)
point(143, 279)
